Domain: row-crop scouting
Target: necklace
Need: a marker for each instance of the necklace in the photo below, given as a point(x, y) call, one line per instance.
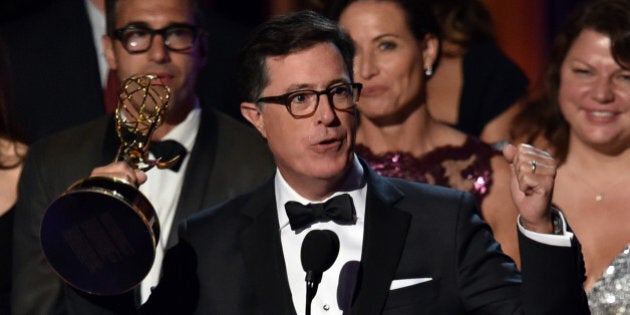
point(599, 197)
point(599, 194)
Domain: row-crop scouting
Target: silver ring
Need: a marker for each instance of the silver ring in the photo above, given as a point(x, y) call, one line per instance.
point(533, 163)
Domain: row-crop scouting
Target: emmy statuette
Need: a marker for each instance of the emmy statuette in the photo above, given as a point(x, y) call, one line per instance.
point(100, 235)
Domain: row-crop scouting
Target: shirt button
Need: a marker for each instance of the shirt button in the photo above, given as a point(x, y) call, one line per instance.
point(326, 307)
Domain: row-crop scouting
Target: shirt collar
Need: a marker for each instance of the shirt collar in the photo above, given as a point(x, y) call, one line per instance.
point(186, 131)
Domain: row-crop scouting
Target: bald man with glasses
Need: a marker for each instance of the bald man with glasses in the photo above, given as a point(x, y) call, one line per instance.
point(165, 38)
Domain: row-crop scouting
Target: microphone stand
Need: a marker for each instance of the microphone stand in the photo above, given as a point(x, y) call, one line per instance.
point(312, 283)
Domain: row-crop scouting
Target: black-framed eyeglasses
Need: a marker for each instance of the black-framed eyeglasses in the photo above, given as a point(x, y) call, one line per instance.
point(303, 103)
point(138, 39)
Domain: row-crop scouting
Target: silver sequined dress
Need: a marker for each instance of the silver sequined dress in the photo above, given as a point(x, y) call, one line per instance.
point(611, 293)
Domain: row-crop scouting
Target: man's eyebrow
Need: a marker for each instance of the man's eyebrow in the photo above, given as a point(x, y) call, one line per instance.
point(299, 86)
point(337, 81)
point(140, 24)
point(136, 24)
point(305, 86)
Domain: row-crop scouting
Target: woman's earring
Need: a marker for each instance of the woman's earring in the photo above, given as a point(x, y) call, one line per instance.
point(429, 71)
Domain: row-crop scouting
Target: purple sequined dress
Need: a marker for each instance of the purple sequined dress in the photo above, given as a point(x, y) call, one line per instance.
point(466, 167)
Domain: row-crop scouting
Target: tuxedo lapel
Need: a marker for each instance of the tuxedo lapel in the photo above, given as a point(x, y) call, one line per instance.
point(111, 142)
point(385, 231)
point(262, 251)
point(198, 172)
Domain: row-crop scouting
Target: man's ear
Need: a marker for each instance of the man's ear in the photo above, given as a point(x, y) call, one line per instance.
point(253, 114)
point(108, 48)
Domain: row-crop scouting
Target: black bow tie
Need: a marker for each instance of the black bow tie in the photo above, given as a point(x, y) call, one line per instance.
point(340, 209)
point(167, 150)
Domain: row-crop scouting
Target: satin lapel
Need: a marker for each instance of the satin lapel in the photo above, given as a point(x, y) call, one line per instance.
point(111, 142)
point(197, 178)
point(385, 231)
point(262, 251)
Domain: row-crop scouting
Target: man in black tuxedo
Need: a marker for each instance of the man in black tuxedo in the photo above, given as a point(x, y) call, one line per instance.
point(217, 163)
point(405, 248)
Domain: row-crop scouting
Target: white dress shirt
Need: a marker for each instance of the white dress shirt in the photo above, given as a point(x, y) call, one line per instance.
point(162, 188)
point(350, 241)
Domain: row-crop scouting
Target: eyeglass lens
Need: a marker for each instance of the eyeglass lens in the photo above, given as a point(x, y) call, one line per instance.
point(305, 102)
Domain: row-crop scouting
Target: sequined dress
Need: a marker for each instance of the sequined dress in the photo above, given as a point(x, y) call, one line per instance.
point(611, 293)
point(466, 167)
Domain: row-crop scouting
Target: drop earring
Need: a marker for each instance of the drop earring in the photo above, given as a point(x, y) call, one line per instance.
point(428, 71)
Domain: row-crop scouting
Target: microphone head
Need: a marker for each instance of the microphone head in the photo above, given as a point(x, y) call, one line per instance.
point(319, 250)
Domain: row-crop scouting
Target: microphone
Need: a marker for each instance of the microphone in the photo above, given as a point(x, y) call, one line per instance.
point(319, 251)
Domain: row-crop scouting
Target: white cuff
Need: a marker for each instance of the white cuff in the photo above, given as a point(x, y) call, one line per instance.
point(561, 240)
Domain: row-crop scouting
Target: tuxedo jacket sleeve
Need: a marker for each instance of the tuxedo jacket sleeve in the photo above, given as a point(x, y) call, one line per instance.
point(51, 166)
point(228, 158)
point(231, 262)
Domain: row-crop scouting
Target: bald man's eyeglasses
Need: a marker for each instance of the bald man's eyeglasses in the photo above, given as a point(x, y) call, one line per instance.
point(138, 39)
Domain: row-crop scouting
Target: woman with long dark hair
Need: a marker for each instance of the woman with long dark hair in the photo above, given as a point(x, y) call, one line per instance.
point(12, 152)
